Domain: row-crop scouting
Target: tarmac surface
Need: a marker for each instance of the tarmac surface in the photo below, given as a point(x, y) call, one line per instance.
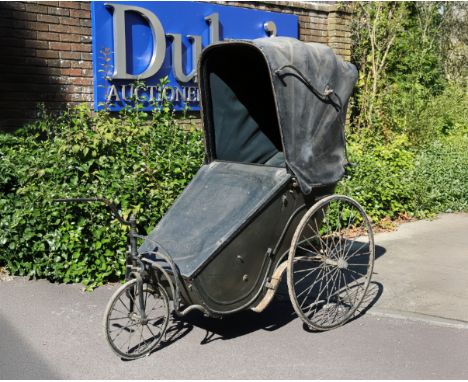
point(416, 326)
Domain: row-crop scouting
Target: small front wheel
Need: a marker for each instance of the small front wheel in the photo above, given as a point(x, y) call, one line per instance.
point(330, 262)
point(136, 319)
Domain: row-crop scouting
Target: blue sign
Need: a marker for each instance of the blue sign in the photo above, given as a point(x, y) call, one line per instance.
point(137, 44)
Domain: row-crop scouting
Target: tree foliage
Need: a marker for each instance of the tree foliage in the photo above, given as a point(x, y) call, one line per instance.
point(400, 49)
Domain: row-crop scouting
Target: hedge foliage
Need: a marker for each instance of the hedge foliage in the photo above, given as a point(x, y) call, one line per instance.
point(141, 161)
point(396, 179)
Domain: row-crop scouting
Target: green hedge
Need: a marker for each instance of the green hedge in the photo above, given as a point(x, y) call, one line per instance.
point(380, 176)
point(441, 176)
point(141, 161)
point(396, 178)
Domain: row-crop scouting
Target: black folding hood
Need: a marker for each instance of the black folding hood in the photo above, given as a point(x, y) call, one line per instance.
point(277, 96)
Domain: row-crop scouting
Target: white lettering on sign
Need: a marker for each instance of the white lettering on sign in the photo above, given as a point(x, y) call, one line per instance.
point(155, 93)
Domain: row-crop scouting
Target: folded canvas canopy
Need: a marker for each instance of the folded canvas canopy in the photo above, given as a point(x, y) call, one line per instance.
point(277, 95)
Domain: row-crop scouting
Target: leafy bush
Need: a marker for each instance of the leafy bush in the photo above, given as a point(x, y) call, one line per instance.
point(380, 176)
point(441, 176)
point(394, 179)
point(142, 161)
point(442, 116)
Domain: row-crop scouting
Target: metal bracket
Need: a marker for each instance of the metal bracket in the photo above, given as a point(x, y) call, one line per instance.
point(269, 252)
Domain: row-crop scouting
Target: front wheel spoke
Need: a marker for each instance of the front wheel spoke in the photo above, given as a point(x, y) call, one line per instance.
point(121, 331)
point(141, 339)
point(155, 307)
point(156, 322)
point(125, 306)
point(118, 318)
point(119, 311)
point(123, 327)
point(148, 327)
point(129, 341)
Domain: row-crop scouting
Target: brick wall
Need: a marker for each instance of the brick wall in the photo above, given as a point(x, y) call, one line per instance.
point(45, 50)
point(45, 56)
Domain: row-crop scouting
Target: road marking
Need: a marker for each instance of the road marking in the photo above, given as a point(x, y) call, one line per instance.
point(420, 317)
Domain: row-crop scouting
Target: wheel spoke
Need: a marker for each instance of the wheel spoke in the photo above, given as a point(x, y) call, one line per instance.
point(307, 250)
point(309, 289)
point(356, 251)
point(321, 278)
point(125, 306)
point(118, 318)
point(119, 311)
point(122, 330)
point(308, 274)
point(148, 327)
point(327, 275)
point(123, 327)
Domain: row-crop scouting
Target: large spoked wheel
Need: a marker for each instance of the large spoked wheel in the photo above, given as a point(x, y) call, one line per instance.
point(330, 262)
point(136, 319)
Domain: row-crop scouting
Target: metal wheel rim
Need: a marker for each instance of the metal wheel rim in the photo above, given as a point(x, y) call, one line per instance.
point(361, 286)
point(146, 343)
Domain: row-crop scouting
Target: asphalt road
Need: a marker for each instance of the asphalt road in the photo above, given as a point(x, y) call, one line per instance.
point(50, 331)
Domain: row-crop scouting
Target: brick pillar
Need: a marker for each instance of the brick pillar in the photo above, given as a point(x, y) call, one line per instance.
point(339, 32)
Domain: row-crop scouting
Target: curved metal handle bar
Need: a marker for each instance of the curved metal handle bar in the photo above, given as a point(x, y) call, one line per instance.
point(109, 204)
point(325, 96)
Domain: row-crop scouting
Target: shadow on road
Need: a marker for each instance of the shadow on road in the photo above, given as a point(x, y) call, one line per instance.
point(18, 359)
point(279, 313)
